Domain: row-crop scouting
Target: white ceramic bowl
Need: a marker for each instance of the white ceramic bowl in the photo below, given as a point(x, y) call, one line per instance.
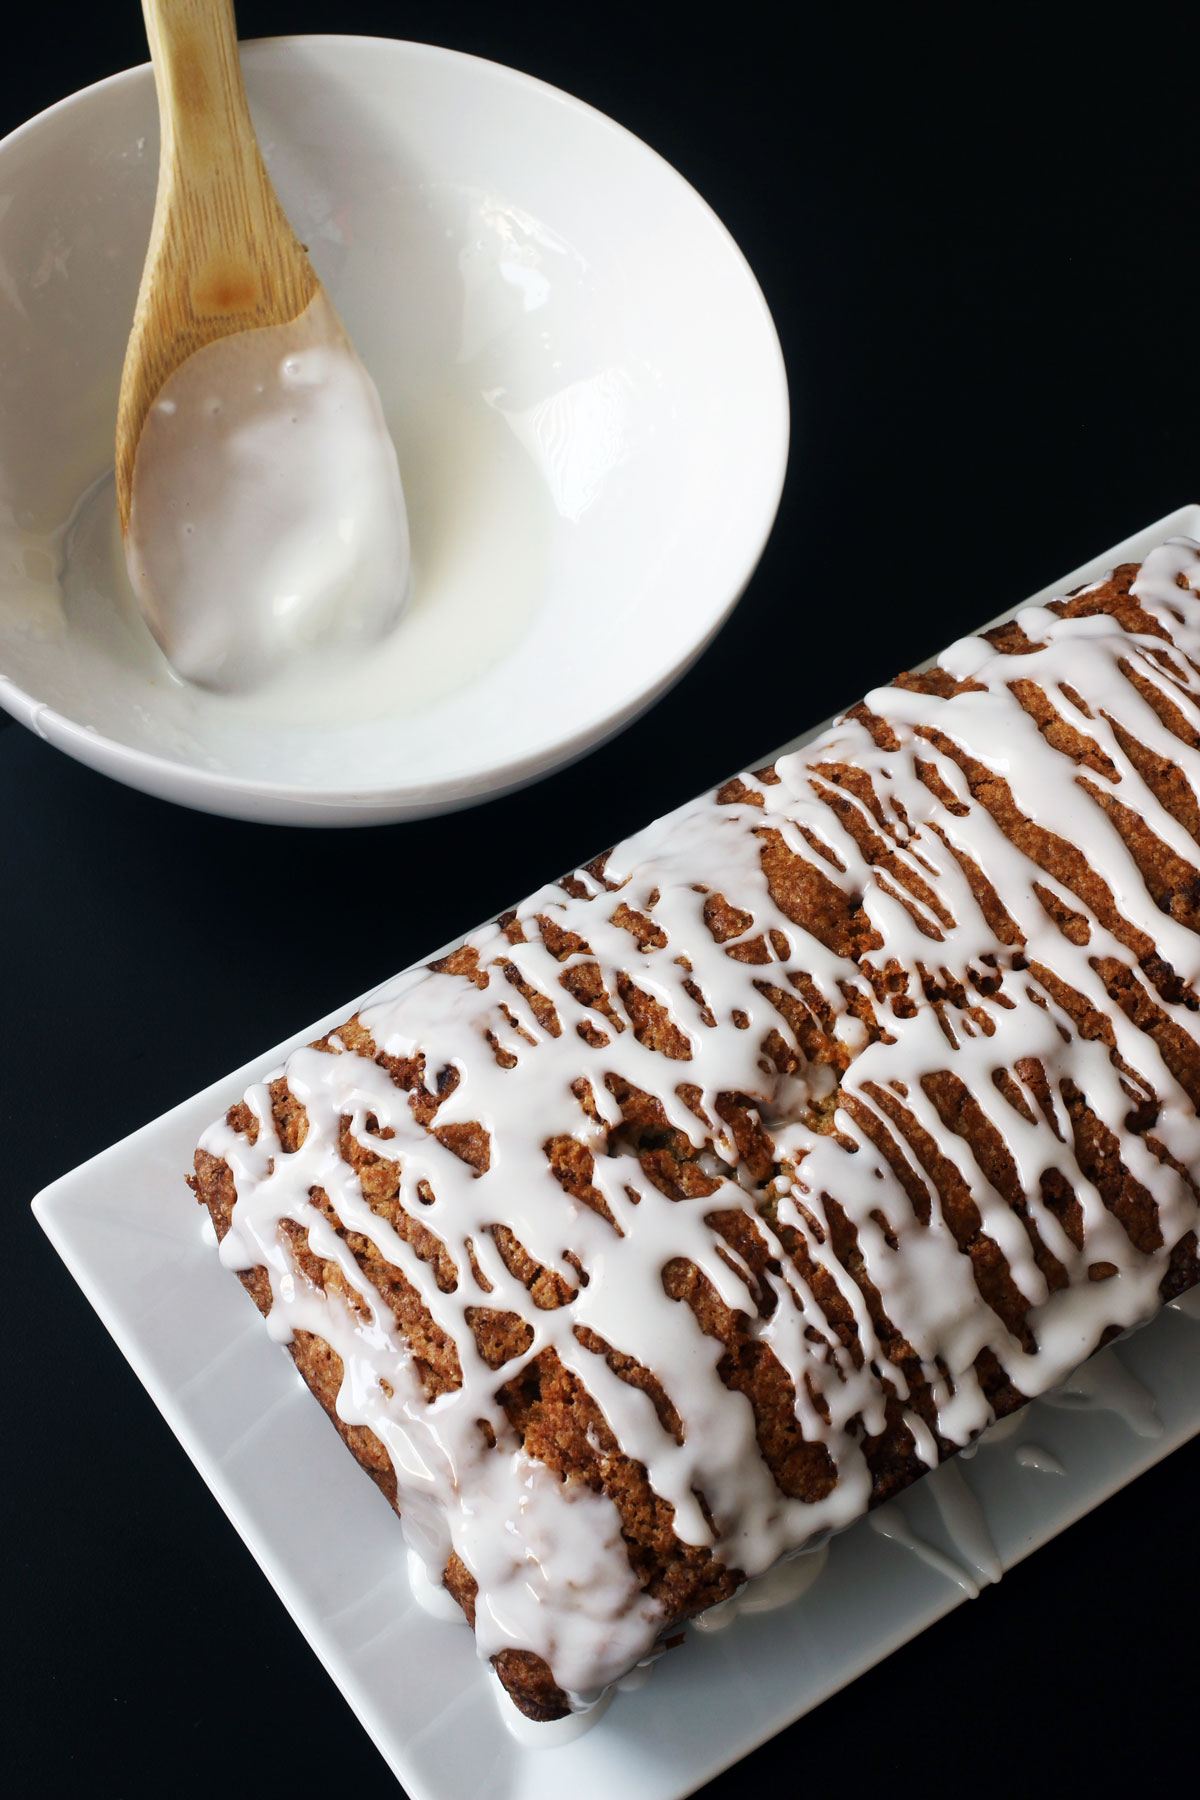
point(579, 371)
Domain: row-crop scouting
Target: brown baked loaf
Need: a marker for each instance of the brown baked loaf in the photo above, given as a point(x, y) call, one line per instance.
point(726, 1186)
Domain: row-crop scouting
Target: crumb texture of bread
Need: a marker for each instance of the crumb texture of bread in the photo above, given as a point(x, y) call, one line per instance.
point(728, 1185)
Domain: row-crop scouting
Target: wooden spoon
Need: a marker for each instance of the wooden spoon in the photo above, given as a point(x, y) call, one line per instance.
point(222, 256)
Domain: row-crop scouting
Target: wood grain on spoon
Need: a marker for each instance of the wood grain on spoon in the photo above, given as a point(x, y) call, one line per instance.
point(222, 257)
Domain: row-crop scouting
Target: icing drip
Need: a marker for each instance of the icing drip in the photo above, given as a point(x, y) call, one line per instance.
point(780, 1586)
point(1106, 1385)
point(963, 1518)
point(784, 1096)
point(554, 1733)
point(891, 1523)
point(1103, 1384)
point(430, 1595)
point(1033, 1456)
point(978, 1562)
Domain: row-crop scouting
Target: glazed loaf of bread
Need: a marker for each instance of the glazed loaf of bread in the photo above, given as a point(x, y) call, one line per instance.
point(728, 1185)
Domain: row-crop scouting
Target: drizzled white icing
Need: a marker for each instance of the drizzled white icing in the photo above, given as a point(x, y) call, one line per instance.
point(515, 1044)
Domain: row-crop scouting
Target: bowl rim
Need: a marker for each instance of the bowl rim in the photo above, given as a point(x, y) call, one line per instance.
point(197, 786)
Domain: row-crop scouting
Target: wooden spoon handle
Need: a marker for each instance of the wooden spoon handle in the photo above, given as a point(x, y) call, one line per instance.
point(198, 78)
point(222, 255)
point(217, 183)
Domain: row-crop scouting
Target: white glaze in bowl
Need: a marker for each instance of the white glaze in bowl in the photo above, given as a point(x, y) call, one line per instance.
point(579, 371)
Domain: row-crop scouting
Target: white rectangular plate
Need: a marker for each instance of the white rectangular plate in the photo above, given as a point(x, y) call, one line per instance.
point(143, 1254)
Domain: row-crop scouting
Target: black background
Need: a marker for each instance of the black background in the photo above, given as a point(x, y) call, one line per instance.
point(977, 231)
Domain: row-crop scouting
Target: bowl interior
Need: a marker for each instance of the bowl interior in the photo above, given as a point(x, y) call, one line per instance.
point(579, 372)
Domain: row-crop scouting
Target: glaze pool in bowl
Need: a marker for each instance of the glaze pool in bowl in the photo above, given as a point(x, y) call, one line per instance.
point(579, 372)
